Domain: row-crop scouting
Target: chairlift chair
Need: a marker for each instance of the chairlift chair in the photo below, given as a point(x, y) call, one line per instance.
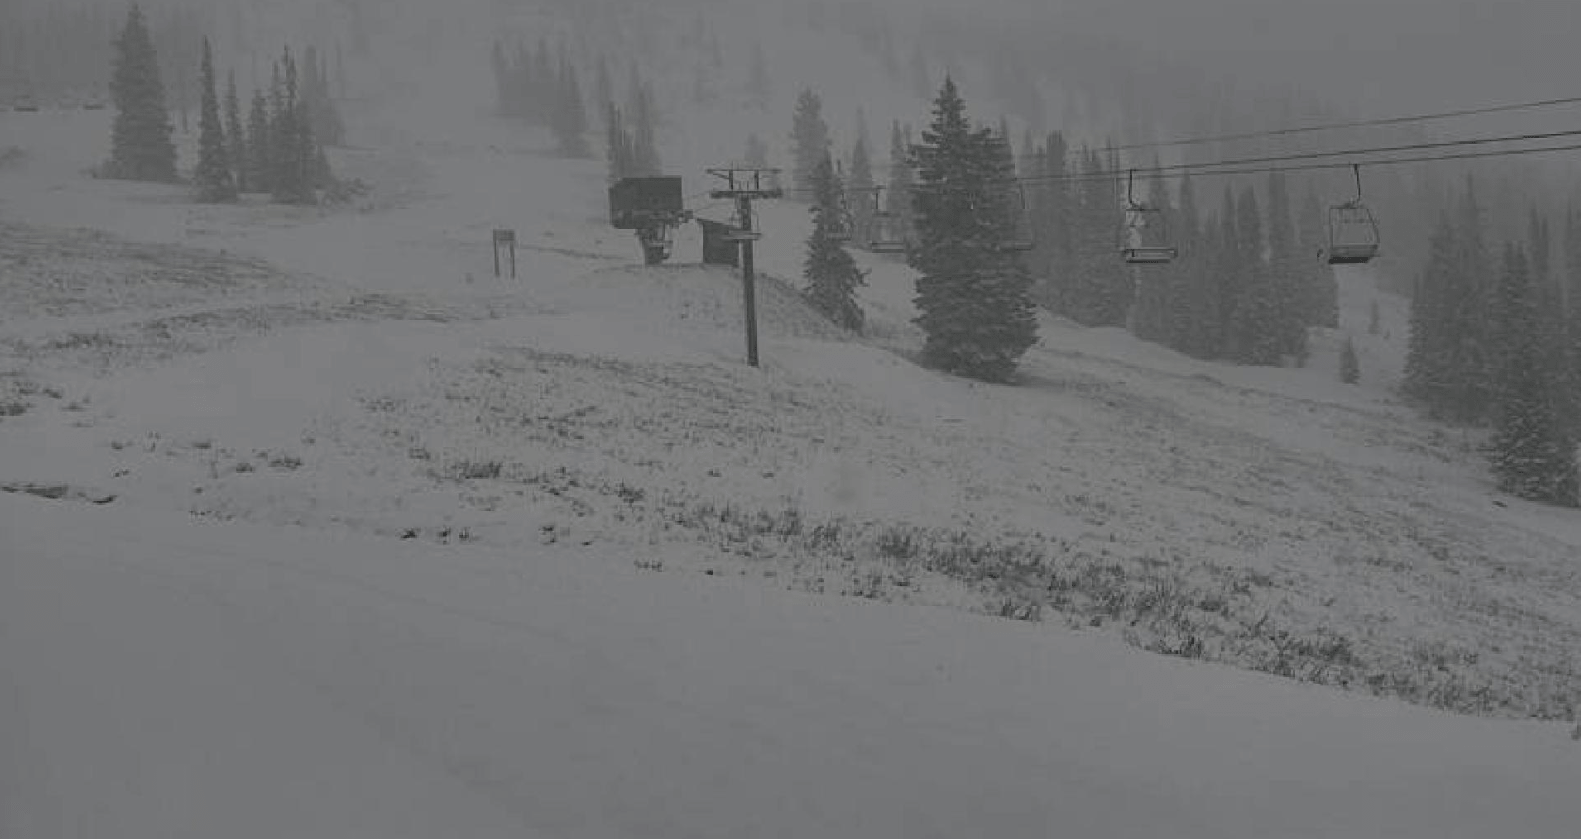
point(1353, 236)
point(884, 235)
point(1144, 222)
point(1020, 238)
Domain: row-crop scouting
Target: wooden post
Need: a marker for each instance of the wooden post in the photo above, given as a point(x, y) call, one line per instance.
point(507, 239)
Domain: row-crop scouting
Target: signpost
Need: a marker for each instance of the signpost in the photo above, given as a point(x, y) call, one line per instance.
point(505, 239)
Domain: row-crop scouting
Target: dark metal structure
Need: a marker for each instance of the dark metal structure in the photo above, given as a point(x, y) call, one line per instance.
point(1144, 238)
point(1353, 236)
point(653, 207)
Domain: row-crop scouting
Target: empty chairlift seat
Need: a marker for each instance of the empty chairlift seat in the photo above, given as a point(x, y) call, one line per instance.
point(1352, 234)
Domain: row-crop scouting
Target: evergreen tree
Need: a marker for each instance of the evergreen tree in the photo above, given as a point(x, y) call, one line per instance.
point(1150, 318)
point(1100, 290)
point(899, 205)
point(235, 134)
point(569, 120)
point(1427, 376)
point(1319, 283)
point(259, 158)
point(809, 141)
point(1533, 456)
point(603, 88)
point(1256, 325)
point(973, 297)
point(1349, 364)
point(861, 185)
point(832, 275)
point(540, 85)
point(1470, 297)
point(645, 142)
point(1228, 273)
point(1288, 272)
point(618, 145)
point(292, 150)
point(1193, 303)
point(140, 141)
point(1055, 253)
point(322, 115)
point(213, 174)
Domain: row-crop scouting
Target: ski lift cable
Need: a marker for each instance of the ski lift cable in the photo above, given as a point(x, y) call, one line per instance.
point(1361, 123)
point(1210, 167)
point(1252, 166)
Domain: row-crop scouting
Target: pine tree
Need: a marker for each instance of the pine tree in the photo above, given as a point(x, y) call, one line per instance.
point(259, 158)
point(1349, 364)
point(1150, 318)
point(603, 88)
point(1471, 295)
point(1533, 456)
point(1427, 375)
point(1255, 325)
point(899, 205)
point(831, 273)
point(1101, 290)
point(292, 149)
point(213, 174)
point(1055, 228)
point(618, 145)
point(645, 142)
point(861, 185)
point(235, 134)
point(1193, 306)
point(809, 141)
point(322, 115)
point(569, 120)
point(1320, 285)
point(1288, 274)
point(140, 142)
point(974, 299)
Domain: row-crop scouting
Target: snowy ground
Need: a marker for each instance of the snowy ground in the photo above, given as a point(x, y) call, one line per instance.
point(412, 491)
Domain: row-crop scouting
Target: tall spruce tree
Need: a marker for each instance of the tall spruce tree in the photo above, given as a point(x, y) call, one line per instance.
point(1288, 272)
point(618, 145)
point(899, 203)
point(860, 185)
point(259, 158)
point(973, 297)
point(235, 133)
point(1100, 290)
point(140, 140)
point(1533, 456)
point(213, 174)
point(831, 273)
point(1320, 285)
point(1256, 322)
point(1193, 305)
point(569, 120)
point(809, 141)
point(1427, 374)
point(1150, 317)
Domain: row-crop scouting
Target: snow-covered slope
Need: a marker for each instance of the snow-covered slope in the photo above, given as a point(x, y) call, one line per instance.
point(248, 681)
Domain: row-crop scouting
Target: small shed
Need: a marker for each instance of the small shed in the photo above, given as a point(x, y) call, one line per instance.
point(718, 248)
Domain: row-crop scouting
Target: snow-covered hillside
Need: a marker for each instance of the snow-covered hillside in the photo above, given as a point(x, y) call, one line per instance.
point(312, 525)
